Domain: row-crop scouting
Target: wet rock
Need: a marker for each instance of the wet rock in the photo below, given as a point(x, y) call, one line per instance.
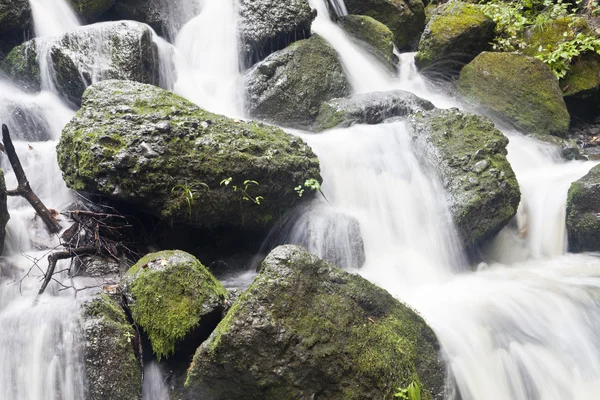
point(199, 176)
point(111, 366)
point(96, 267)
point(469, 153)
point(372, 35)
point(266, 26)
point(405, 18)
point(91, 10)
point(519, 89)
point(92, 53)
point(4, 215)
point(583, 213)
point(172, 296)
point(369, 108)
point(307, 329)
point(289, 86)
point(454, 36)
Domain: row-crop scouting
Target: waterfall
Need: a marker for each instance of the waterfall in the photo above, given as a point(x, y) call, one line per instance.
point(52, 18)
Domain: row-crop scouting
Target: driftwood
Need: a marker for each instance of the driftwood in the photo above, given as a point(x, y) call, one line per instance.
point(23, 189)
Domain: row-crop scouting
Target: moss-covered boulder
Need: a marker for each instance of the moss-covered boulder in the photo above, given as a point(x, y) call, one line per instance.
point(145, 146)
point(15, 16)
point(111, 367)
point(405, 18)
point(454, 36)
point(470, 155)
point(369, 108)
point(583, 213)
point(519, 89)
point(126, 51)
point(4, 215)
point(289, 86)
point(91, 10)
point(306, 329)
point(266, 26)
point(372, 35)
point(173, 297)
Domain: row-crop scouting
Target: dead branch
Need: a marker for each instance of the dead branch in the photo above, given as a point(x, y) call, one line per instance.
point(63, 255)
point(23, 189)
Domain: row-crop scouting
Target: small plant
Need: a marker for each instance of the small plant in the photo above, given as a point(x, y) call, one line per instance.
point(187, 193)
point(311, 183)
point(244, 189)
point(559, 58)
point(411, 392)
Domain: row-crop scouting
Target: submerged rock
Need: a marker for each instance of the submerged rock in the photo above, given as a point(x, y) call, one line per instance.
point(172, 296)
point(454, 36)
point(4, 215)
point(266, 26)
point(405, 18)
point(369, 108)
point(583, 213)
point(470, 155)
point(520, 89)
point(111, 366)
point(306, 329)
point(374, 36)
point(108, 50)
point(289, 86)
point(145, 146)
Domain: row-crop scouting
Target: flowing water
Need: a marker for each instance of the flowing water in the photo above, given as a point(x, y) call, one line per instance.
point(525, 325)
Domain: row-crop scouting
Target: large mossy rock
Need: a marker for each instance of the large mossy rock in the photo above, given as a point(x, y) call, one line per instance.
point(107, 50)
point(454, 36)
point(289, 86)
point(111, 367)
point(583, 213)
point(405, 18)
point(266, 26)
point(519, 89)
point(145, 146)
point(172, 296)
point(306, 329)
point(371, 34)
point(4, 215)
point(470, 155)
point(369, 108)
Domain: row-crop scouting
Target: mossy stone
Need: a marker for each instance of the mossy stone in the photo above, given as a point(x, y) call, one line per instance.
point(169, 293)
point(21, 66)
point(289, 86)
point(454, 36)
point(307, 329)
point(469, 153)
point(112, 369)
point(583, 213)
point(519, 89)
point(372, 35)
point(146, 146)
point(15, 16)
point(405, 18)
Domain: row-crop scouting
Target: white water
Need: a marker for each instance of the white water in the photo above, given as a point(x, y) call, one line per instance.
point(52, 17)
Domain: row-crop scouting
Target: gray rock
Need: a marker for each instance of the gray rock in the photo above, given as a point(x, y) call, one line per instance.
point(372, 35)
point(112, 148)
point(289, 86)
point(461, 147)
point(266, 26)
point(369, 108)
point(306, 329)
point(111, 366)
point(583, 213)
point(92, 53)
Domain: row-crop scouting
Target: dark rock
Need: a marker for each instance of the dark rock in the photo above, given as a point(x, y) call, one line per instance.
point(4, 215)
point(583, 213)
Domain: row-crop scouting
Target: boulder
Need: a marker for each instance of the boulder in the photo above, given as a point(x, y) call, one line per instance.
point(173, 297)
point(107, 50)
point(266, 26)
point(4, 215)
point(111, 367)
point(374, 36)
point(469, 154)
point(454, 36)
point(369, 108)
point(91, 10)
point(405, 18)
point(306, 329)
point(145, 146)
point(519, 89)
point(289, 86)
point(583, 213)
point(15, 16)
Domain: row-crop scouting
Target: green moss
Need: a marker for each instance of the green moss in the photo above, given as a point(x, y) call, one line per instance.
point(583, 78)
point(172, 292)
point(377, 37)
point(21, 65)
